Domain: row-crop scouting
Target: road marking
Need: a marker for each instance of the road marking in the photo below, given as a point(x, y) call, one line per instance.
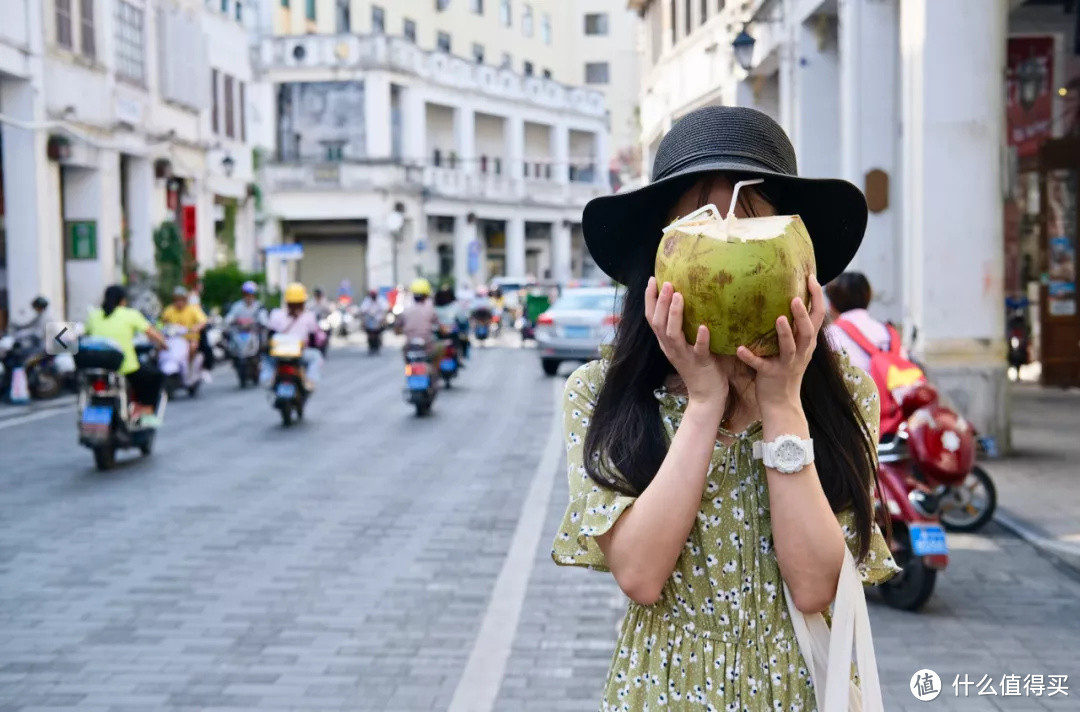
point(480, 682)
point(31, 417)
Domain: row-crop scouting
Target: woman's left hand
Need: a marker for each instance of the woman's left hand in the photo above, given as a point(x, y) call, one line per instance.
point(778, 379)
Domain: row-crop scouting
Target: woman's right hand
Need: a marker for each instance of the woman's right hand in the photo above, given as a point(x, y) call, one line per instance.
point(703, 374)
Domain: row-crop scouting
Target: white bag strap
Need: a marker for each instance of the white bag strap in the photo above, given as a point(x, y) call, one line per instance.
point(827, 652)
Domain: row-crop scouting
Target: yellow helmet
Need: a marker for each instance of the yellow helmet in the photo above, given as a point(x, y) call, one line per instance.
point(295, 293)
point(421, 287)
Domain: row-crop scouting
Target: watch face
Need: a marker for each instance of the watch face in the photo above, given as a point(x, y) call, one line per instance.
point(789, 455)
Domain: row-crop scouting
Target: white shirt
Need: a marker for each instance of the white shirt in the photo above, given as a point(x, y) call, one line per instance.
point(874, 331)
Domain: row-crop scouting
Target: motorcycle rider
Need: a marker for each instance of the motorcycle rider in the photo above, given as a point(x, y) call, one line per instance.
point(418, 320)
point(119, 323)
point(373, 309)
point(190, 316)
point(849, 297)
point(321, 304)
point(40, 305)
point(299, 321)
point(247, 306)
point(448, 312)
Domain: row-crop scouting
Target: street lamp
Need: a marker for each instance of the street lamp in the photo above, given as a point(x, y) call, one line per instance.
point(743, 46)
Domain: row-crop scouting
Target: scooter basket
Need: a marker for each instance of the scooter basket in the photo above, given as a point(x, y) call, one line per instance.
point(98, 354)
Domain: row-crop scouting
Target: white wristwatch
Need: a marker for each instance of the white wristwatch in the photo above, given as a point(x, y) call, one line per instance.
point(788, 453)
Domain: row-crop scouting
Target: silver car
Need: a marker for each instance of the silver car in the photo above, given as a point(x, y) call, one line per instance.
point(576, 325)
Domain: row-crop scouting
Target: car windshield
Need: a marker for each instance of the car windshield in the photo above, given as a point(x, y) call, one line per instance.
point(589, 301)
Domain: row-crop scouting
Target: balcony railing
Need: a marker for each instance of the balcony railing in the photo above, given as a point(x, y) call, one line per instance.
point(443, 182)
point(293, 54)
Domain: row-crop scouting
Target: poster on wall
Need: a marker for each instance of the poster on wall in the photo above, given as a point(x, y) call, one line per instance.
point(1061, 258)
point(321, 121)
point(1029, 93)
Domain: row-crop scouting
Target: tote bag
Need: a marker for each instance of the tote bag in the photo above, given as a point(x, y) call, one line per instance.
point(827, 652)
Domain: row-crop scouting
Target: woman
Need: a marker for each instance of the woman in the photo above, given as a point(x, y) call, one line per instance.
point(119, 323)
point(666, 492)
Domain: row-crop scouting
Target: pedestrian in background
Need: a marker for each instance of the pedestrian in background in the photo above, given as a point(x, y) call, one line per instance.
point(667, 490)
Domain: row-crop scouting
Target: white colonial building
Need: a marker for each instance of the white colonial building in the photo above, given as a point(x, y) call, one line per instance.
point(906, 99)
point(457, 140)
point(119, 116)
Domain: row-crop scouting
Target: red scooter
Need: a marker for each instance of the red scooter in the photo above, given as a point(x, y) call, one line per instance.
point(931, 454)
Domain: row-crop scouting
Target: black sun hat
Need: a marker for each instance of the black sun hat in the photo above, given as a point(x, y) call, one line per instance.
point(624, 229)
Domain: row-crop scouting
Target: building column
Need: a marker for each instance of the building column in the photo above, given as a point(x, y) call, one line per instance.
point(380, 255)
point(560, 251)
point(515, 247)
point(414, 126)
point(817, 96)
point(952, 200)
point(31, 193)
point(602, 149)
point(870, 135)
point(91, 194)
point(377, 115)
point(138, 197)
point(465, 139)
point(560, 153)
point(514, 127)
point(465, 239)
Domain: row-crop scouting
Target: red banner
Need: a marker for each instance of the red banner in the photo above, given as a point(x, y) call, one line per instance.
point(1029, 92)
point(187, 233)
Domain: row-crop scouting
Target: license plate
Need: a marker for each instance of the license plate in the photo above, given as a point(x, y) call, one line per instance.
point(286, 390)
point(97, 415)
point(448, 364)
point(928, 539)
point(577, 332)
point(418, 382)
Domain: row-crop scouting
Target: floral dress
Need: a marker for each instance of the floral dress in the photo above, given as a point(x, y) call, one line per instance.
point(719, 638)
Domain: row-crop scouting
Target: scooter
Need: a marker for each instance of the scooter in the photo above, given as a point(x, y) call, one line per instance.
point(1018, 334)
point(244, 348)
point(44, 373)
point(289, 390)
point(181, 371)
point(106, 423)
point(373, 327)
point(448, 358)
point(482, 321)
point(420, 387)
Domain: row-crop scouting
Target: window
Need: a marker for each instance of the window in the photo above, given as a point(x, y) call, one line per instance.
point(719, 5)
point(229, 130)
point(378, 20)
point(284, 3)
point(507, 61)
point(443, 42)
point(704, 12)
point(688, 20)
point(596, 73)
point(224, 7)
point(410, 30)
point(545, 28)
point(547, 74)
point(505, 15)
point(477, 6)
point(478, 52)
point(239, 12)
point(86, 25)
point(527, 21)
point(441, 5)
point(528, 69)
point(310, 10)
point(63, 23)
point(129, 42)
point(342, 17)
point(215, 122)
point(596, 23)
point(674, 23)
point(243, 112)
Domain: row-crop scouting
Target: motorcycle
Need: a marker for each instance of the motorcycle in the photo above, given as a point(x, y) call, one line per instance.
point(373, 327)
point(482, 324)
point(289, 389)
point(244, 349)
point(45, 373)
point(419, 384)
point(923, 467)
point(1018, 333)
point(448, 358)
point(181, 370)
point(106, 423)
point(463, 336)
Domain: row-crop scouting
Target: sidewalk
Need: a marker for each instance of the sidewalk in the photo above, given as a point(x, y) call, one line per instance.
point(1038, 486)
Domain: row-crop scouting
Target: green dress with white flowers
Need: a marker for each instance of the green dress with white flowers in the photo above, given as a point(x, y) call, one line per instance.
point(719, 638)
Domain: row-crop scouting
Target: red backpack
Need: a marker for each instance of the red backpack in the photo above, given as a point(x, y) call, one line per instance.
point(890, 371)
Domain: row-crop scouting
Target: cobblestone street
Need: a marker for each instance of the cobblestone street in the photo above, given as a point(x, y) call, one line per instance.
point(367, 560)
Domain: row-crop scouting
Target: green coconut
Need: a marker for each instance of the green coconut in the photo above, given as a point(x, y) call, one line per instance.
point(737, 276)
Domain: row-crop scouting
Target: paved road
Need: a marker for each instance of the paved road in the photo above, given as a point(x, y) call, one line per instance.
point(360, 561)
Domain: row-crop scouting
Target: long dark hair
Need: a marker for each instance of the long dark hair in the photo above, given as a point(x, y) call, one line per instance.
point(114, 294)
point(625, 443)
